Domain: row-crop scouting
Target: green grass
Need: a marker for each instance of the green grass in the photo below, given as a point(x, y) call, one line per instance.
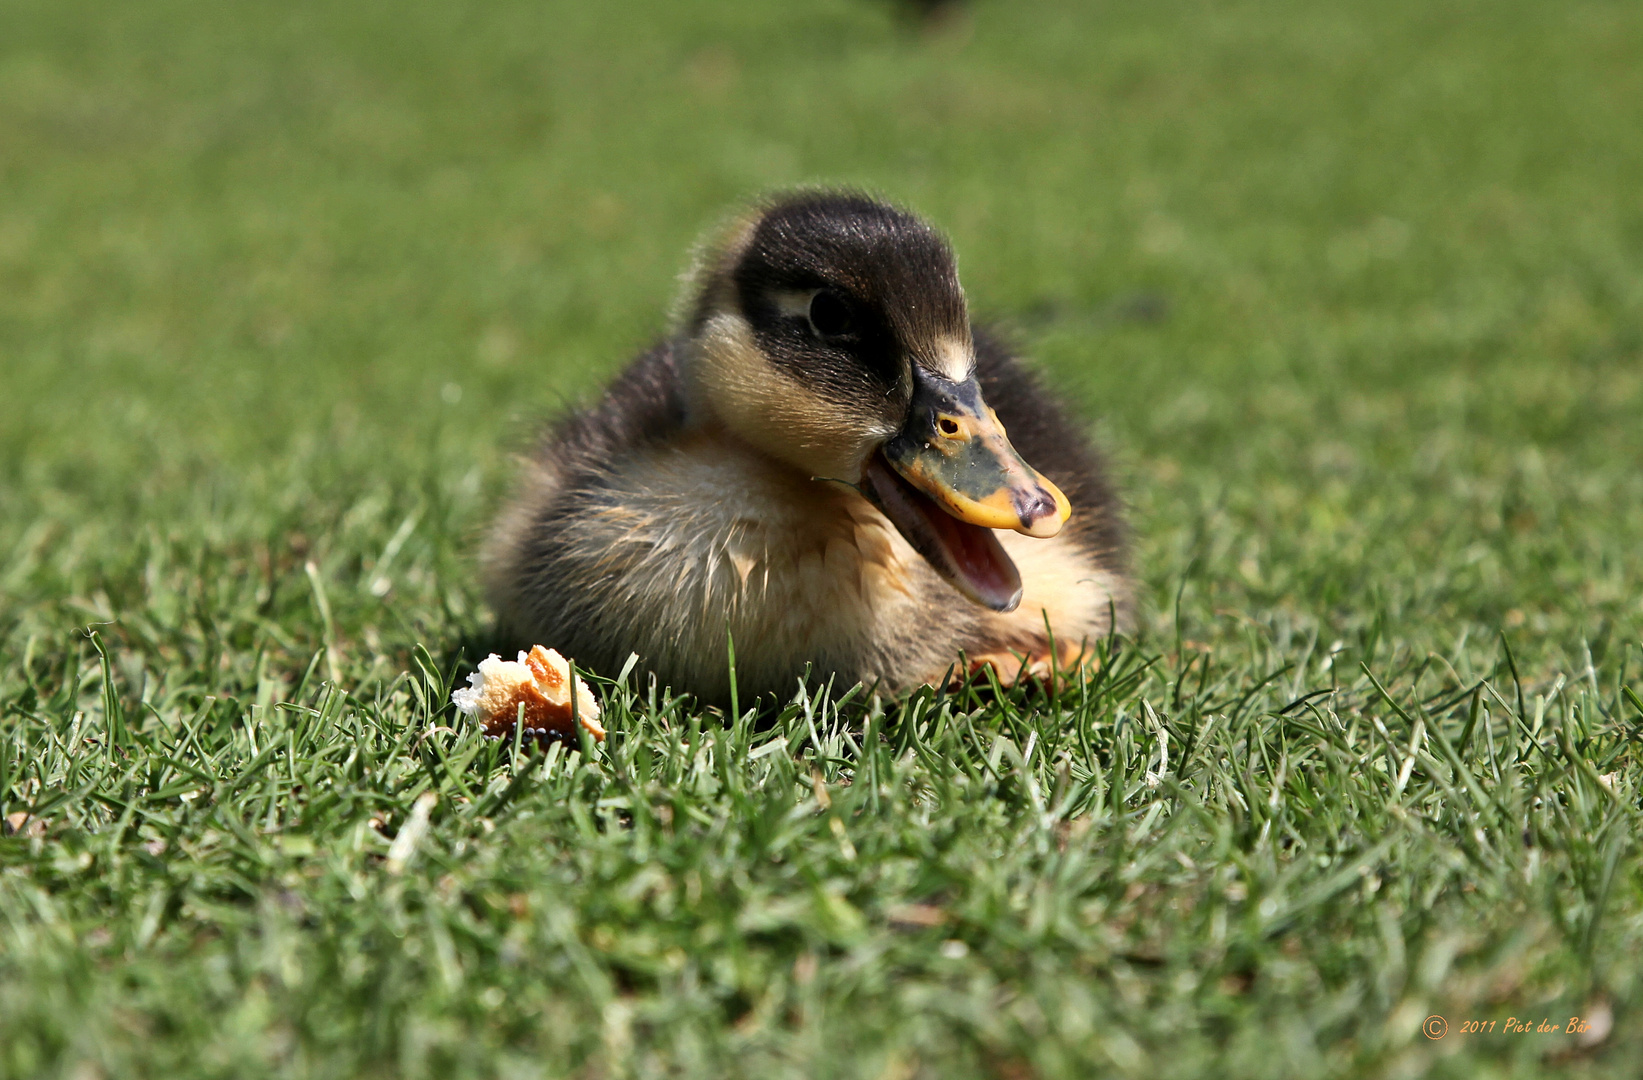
point(1353, 294)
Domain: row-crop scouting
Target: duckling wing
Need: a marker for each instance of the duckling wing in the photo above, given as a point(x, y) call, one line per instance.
point(643, 407)
point(530, 580)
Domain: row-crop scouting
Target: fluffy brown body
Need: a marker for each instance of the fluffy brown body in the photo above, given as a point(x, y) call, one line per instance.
point(676, 515)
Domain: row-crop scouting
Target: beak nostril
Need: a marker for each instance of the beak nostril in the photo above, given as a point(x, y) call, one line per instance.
point(948, 425)
point(1035, 506)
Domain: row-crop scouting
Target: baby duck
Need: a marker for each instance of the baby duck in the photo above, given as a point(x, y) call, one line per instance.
point(816, 467)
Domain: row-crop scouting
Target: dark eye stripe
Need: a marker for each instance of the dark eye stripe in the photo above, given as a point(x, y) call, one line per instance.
point(823, 335)
point(830, 315)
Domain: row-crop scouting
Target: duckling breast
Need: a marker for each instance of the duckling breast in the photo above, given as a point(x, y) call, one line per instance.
point(681, 548)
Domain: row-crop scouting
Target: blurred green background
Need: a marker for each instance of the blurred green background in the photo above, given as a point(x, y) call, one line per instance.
point(1352, 294)
point(1354, 275)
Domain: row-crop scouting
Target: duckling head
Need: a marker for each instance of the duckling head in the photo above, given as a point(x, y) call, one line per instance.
point(829, 332)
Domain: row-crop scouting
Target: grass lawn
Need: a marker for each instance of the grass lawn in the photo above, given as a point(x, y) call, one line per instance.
point(1352, 293)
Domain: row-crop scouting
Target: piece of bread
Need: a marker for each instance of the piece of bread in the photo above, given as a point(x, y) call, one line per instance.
point(541, 681)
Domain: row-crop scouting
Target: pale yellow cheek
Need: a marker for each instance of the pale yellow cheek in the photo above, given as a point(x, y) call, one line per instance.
point(731, 377)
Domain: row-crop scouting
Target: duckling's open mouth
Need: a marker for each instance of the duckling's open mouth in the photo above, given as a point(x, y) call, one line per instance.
point(969, 557)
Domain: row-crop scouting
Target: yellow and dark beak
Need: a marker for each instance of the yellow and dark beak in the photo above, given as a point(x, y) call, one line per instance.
point(952, 477)
point(954, 450)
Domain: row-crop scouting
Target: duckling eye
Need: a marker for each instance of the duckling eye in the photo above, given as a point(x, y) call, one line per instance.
point(830, 316)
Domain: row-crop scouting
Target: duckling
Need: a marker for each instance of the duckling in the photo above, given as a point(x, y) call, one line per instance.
point(825, 465)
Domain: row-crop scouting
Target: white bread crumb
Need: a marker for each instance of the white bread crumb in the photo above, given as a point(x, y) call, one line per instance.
point(541, 681)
